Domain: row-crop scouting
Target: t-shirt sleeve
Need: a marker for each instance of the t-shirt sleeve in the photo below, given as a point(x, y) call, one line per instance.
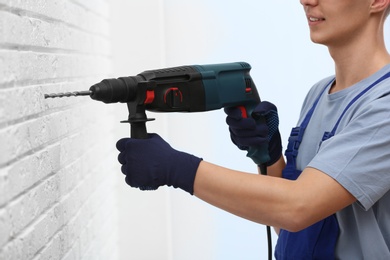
point(358, 157)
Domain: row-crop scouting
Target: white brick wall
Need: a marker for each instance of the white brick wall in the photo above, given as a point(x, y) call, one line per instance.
point(57, 159)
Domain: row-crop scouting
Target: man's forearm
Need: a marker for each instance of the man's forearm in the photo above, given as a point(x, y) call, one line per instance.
point(251, 196)
point(269, 200)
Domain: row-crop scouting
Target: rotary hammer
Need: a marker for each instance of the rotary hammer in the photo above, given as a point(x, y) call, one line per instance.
point(195, 88)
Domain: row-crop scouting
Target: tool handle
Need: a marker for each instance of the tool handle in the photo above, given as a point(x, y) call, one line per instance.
point(260, 153)
point(137, 119)
point(138, 130)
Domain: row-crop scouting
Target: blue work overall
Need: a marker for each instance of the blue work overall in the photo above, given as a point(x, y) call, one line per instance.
point(317, 241)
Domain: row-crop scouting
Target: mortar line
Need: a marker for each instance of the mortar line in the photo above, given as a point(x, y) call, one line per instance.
point(44, 82)
point(50, 50)
point(48, 81)
point(88, 9)
point(45, 18)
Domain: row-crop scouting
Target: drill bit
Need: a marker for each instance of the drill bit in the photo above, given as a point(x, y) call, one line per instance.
point(69, 94)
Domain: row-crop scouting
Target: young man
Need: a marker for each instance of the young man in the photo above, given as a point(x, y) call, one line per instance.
point(332, 201)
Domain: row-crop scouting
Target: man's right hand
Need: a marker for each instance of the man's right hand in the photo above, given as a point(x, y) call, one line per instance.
point(254, 134)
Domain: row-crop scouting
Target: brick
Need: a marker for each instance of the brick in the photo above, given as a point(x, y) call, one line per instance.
point(5, 227)
point(4, 187)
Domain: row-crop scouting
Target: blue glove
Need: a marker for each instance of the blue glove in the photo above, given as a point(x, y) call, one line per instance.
point(259, 134)
point(152, 162)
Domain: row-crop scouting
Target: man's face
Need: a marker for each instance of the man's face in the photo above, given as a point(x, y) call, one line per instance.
point(335, 22)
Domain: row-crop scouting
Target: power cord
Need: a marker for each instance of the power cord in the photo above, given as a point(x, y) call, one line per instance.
point(263, 171)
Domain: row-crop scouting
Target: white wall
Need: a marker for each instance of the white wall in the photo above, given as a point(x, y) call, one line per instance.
point(56, 199)
point(273, 37)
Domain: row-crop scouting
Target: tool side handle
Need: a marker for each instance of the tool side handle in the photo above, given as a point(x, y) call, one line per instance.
point(137, 119)
point(138, 130)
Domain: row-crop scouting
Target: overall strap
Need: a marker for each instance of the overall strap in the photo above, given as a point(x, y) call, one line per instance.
point(296, 135)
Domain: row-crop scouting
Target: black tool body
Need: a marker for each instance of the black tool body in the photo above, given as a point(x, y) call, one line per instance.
point(194, 88)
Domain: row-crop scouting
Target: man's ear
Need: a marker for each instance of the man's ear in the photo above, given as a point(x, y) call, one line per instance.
point(379, 5)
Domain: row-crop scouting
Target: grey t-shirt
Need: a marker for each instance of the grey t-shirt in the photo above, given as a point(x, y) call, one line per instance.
point(358, 157)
